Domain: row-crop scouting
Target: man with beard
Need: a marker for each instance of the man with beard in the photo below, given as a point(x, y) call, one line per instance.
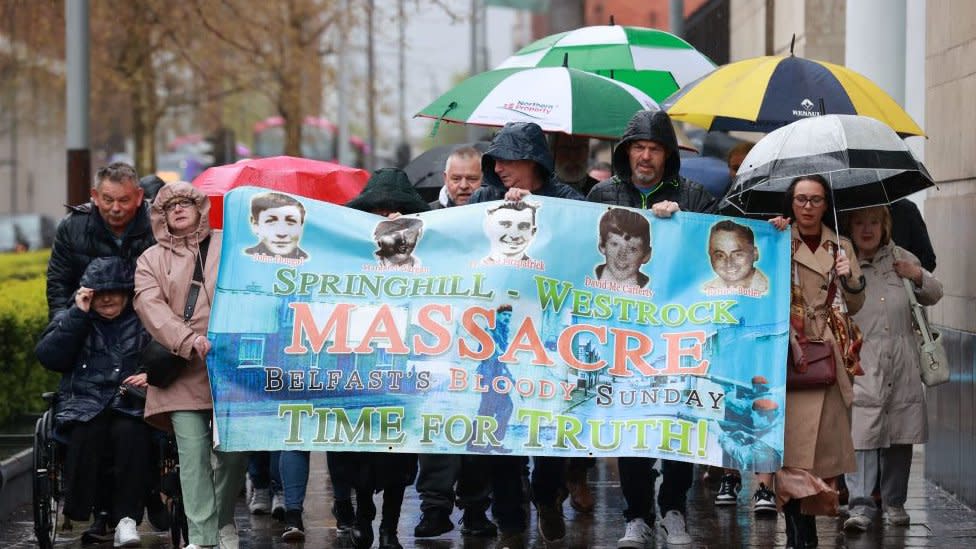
point(645, 165)
point(571, 153)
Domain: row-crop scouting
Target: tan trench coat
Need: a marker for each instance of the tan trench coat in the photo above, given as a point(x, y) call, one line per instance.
point(818, 421)
point(163, 276)
point(889, 400)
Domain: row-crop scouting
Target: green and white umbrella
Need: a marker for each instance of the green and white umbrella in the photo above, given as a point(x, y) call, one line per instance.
point(654, 61)
point(556, 98)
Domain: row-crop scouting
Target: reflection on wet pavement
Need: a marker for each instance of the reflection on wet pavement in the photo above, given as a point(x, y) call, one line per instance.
point(938, 520)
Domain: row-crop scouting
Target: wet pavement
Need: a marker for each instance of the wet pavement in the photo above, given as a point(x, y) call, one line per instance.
point(937, 520)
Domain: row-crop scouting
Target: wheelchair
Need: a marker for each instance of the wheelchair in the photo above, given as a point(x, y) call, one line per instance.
point(48, 481)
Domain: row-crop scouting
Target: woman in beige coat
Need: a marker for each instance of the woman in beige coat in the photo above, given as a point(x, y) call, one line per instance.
point(889, 400)
point(164, 274)
point(817, 446)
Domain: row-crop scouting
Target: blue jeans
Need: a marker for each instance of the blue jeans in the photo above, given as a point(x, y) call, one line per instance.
point(262, 468)
point(293, 466)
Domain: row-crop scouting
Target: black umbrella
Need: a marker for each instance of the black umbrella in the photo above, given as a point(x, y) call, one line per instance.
point(426, 171)
point(863, 160)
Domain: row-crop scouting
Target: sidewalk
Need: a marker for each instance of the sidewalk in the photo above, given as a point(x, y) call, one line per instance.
point(938, 520)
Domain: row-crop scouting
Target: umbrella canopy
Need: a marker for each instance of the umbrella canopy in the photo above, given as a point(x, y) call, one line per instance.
point(711, 172)
point(312, 178)
point(864, 161)
point(765, 93)
point(558, 99)
point(426, 171)
point(653, 61)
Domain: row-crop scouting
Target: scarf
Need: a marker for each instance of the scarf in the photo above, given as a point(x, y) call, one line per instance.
point(846, 334)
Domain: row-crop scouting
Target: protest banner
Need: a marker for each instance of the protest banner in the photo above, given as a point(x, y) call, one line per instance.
point(546, 327)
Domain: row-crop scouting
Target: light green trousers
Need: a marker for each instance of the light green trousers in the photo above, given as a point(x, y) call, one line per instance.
point(210, 480)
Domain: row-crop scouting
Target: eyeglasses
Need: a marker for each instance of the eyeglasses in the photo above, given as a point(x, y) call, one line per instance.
point(182, 203)
point(801, 200)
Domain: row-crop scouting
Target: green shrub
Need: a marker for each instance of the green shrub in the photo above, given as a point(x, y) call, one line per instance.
point(23, 316)
point(23, 266)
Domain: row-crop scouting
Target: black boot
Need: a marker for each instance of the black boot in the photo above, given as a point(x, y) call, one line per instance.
point(808, 523)
point(794, 526)
point(362, 535)
point(388, 540)
point(433, 523)
point(98, 531)
point(476, 524)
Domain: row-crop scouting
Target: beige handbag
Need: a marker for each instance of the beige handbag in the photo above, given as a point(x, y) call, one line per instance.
point(932, 362)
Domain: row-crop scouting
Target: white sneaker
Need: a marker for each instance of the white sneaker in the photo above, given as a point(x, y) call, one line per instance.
point(126, 534)
point(896, 516)
point(228, 537)
point(278, 506)
point(857, 522)
point(637, 535)
point(260, 502)
point(673, 525)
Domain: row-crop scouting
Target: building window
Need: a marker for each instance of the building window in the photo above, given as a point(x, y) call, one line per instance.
point(251, 352)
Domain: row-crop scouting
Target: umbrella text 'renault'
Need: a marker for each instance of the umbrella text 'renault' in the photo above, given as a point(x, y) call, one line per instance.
point(766, 93)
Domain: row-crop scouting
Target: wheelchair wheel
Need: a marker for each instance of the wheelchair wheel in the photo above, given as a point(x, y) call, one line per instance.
point(46, 481)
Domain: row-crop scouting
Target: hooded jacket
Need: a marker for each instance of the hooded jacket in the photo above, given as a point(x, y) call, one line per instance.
point(520, 141)
point(163, 277)
point(389, 189)
point(619, 190)
point(82, 236)
point(93, 353)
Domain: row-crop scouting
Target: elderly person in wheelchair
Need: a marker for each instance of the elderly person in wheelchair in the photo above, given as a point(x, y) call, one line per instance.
point(95, 345)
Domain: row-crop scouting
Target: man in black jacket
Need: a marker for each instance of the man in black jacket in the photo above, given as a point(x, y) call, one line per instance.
point(518, 163)
point(645, 167)
point(115, 223)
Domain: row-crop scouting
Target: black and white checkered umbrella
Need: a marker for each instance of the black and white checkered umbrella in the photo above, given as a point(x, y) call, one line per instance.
point(864, 160)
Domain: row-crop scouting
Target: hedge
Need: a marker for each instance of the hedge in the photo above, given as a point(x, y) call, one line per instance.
point(23, 316)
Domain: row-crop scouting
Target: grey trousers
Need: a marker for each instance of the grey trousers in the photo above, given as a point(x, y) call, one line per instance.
point(892, 464)
point(439, 472)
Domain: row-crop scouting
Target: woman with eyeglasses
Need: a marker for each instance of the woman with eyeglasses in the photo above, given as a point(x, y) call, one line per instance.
point(827, 287)
point(210, 480)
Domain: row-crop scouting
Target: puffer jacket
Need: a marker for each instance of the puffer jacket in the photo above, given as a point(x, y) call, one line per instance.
point(95, 354)
point(620, 191)
point(520, 141)
point(163, 277)
point(82, 236)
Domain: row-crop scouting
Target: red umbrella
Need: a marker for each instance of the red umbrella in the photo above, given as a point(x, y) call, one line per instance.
point(312, 178)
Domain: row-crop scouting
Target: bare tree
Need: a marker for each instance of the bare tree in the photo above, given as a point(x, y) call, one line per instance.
point(283, 43)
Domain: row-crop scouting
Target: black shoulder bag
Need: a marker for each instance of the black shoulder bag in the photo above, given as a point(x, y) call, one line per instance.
point(163, 367)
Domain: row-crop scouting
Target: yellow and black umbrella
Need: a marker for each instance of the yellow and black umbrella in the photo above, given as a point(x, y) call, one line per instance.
point(765, 93)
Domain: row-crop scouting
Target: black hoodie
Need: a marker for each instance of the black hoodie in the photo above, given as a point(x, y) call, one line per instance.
point(519, 141)
point(620, 191)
